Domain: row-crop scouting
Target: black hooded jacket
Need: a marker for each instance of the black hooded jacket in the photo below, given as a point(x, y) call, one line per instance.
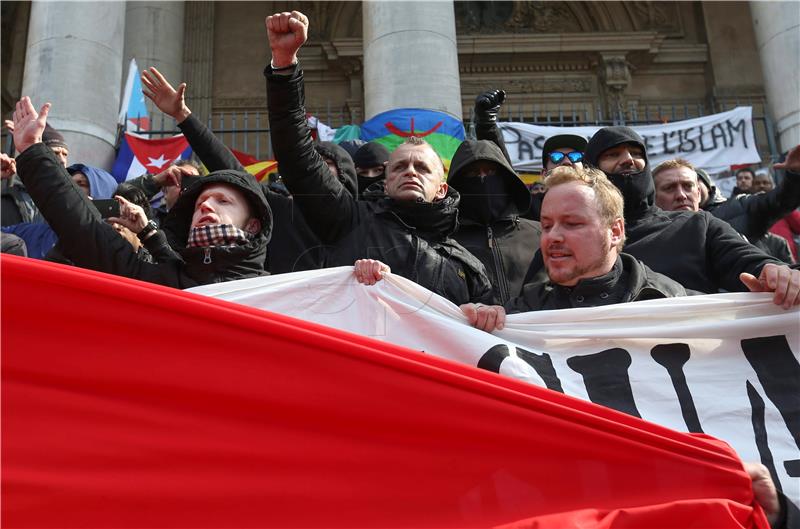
point(344, 164)
point(91, 243)
point(293, 246)
point(491, 226)
point(369, 155)
point(698, 250)
point(414, 239)
point(753, 214)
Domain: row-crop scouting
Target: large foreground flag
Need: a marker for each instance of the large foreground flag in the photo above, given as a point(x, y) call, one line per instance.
point(727, 365)
point(238, 417)
point(133, 115)
point(442, 131)
point(138, 155)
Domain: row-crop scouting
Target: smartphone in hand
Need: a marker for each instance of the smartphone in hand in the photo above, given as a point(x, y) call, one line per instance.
point(106, 207)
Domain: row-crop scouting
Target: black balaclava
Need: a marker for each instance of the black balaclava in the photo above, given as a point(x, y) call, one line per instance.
point(485, 200)
point(638, 189)
point(370, 155)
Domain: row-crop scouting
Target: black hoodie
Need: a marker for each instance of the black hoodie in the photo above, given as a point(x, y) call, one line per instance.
point(696, 249)
point(344, 164)
point(370, 155)
point(490, 212)
point(91, 243)
point(292, 247)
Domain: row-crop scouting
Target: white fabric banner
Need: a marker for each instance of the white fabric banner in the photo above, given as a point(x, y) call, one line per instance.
point(713, 143)
point(727, 365)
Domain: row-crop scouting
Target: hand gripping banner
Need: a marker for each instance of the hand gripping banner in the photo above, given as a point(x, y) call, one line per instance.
point(127, 404)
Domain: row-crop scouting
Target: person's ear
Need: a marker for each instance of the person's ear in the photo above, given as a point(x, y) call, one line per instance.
point(252, 226)
point(442, 192)
point(617, 232)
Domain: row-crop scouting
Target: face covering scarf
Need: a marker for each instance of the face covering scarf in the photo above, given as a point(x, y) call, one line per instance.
point(217, 235)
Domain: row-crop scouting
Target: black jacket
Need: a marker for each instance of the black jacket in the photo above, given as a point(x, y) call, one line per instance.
point(491, 227)
point(698, 250)
point(752, 215)
point(629, 280)
point(775, 246)
point(293, 246)
point(91, 243)
point(414, 239)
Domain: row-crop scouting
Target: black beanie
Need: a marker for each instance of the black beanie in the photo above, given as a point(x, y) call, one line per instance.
point(609, 137)
point(371, 155)
point(52, 138)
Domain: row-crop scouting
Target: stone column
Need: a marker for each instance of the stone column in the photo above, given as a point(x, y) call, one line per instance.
point(74, 61)
point(154, 37)
point(410, 57)
point(777, 29)
point(198, 57)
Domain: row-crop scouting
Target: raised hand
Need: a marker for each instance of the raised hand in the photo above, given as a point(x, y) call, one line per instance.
point(168, 100)
point(8, 166)
point(287, 32)
point(131, 215)
point(792, 162)
point(487, 105)
point(172, 175)
point(28, 124)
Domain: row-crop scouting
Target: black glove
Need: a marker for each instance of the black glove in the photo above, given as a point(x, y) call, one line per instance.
point(487, 106)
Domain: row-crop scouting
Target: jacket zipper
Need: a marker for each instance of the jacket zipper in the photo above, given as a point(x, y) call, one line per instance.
point(207, 255)
point(500, 275)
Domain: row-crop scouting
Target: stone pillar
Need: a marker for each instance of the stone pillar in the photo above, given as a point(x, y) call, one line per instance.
point(154, 37)
point(777, 29)
point(410, 57)
point(198, 57)
point(74, 61)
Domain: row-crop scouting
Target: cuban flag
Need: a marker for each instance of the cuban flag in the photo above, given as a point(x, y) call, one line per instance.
point(133, 115)
point(138, 155)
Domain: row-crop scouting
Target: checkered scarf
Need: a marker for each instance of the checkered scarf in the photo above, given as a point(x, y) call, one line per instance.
point(217, 235)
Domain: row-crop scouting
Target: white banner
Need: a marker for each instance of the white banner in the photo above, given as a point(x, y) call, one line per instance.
point(713, 143)
point(727, 365)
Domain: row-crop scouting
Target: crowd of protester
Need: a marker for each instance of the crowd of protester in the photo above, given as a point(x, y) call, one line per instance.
point(602, 227)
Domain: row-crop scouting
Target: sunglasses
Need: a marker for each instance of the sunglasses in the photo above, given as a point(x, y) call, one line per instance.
point(574, 156)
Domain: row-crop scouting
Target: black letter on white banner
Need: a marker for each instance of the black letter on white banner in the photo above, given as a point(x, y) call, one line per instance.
point(673, 356)
point(605, 375)
point(779, 373)
point(541, 363)
point(760, 431)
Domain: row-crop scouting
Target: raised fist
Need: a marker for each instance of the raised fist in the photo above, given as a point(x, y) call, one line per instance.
point(287, 32)
point(487, 106)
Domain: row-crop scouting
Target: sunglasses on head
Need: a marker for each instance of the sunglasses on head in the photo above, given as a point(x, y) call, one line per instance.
point(574, 156)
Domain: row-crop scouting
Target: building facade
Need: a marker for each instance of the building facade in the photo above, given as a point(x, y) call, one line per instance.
point(559, 62)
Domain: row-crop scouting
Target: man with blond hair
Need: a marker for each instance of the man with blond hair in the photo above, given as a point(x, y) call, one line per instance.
point(583, 232)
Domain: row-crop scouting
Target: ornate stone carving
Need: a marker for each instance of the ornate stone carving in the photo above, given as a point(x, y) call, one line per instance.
point(542, 17)
point(542, 86)
point(525, 16)
point(243, 103)
point(663, 16)
point(616, 76)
